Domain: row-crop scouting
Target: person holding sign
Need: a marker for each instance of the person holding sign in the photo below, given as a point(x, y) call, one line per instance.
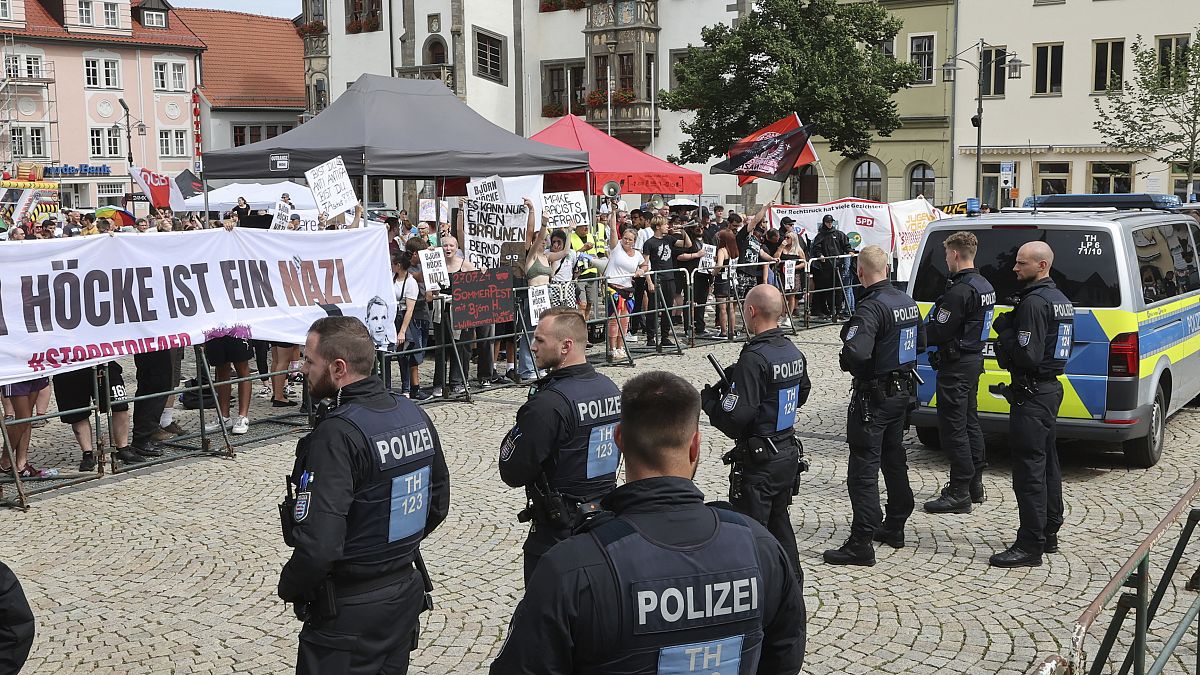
point(457, 359)
point(661, 285)
point(790, 250)
point(412, 323)
point(625, 265)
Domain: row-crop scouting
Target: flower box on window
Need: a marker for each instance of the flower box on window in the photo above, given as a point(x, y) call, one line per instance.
point(354, 26)
point(550, 5)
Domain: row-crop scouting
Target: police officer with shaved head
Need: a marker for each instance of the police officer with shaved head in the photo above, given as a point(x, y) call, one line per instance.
point(879, 349)
point(1033, 343)
point(369, 483)
point(561, 449)
point(661, 582)
point(757, 404)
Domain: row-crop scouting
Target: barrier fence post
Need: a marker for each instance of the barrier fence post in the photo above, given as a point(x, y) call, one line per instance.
point(1141, 623)
point(98, 447)
point(202, 366)
point(11, 453)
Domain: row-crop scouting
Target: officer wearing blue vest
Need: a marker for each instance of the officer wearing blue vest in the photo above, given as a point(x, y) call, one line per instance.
point(369, 483)
point(561, 449)
point(660, 582)
point(879, 349)
point(1033, 344)
point(958, 326)
point(757, 404)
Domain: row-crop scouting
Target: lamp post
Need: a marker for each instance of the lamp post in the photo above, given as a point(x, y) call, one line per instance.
point(1013, 67)
point(612, 52)
point(141, 128)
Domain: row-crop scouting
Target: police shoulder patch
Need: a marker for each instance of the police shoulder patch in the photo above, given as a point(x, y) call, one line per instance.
point(509, 443)
point(729, 402)
point(943, 315)
point(851, 332)
point(300, 511)
point(1023, 338)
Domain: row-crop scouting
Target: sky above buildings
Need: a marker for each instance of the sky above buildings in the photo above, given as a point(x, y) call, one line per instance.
point(284, 8)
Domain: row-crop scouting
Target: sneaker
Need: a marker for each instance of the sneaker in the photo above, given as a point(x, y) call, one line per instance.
point(88, 463)
point(289, 390)
point(30, 471)
point(214, 427)
point(126, 455)
point(421, 395)
point(265, 391)
point(512, 375)
point(242, 425)
point(146, 449)
point(174, 428)
point(498, 379)
point(282, 404)
point(619, 355)
point(667, 342)
point(457, 390)
point(786, 322)
point(631, 337)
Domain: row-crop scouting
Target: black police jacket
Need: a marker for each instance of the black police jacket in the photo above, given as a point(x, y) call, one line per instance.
point(963, 315)
point(574, 612)
point(1035, 339)
point(565, 429)
point(16, 623)
point(339, 535)
point(768, 384)
point(884, 335)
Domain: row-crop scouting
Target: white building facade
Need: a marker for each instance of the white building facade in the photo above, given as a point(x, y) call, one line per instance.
point(1043, 122)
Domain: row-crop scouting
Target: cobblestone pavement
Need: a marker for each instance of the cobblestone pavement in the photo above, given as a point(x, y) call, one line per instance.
point(173, 568)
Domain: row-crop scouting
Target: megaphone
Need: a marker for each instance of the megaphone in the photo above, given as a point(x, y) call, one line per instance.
point(657, 202)
point(612, 189)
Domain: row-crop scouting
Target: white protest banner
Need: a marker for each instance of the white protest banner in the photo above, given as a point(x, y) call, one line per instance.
point(433, 266)
point(67, 304)
point(864, 222)
point(709, 261)
point(789, 275)
point(283, 213)
point(567, 209)
point(909, 218)
point(331, 186)
point(486, 226)
point(490, 189)
point(516, 188)
point(539, 301)
point(427, 214)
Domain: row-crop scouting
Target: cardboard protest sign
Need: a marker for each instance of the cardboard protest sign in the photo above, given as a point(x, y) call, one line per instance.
point(490, 189)
point(539, 301)
point(482, 297)
point(116, 296)
point(789, 275)
point(709, 261)
point(567, 209)
point(487, 226)
point(282, 213)
point(331, 186)
point(516, 188)
point(428, 214)
point(433, 267)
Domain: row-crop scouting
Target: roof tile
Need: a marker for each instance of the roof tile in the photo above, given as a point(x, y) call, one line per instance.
point(40, 24)
point(275, 76)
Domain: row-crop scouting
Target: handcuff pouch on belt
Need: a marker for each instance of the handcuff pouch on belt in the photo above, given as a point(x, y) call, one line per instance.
point(551, 508)
point(945, 355)
point(1023, 388)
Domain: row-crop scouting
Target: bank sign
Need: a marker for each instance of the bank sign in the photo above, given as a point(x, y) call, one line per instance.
point(78, 170)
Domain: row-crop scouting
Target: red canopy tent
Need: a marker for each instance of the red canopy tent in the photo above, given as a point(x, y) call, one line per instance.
point(611, 159)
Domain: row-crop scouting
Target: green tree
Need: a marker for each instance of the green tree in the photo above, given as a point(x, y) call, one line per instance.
point(818, 58)
point(1156, 111)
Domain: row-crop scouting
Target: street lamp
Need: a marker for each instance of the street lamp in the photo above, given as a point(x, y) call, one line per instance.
point(608, 81)
point(1013, 67)
point(129, 127)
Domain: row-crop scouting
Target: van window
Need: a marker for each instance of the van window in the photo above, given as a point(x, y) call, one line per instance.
point(1166, 261)
point(1085, 264)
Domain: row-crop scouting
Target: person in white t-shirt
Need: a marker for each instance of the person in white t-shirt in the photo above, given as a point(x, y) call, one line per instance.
point(625, 263)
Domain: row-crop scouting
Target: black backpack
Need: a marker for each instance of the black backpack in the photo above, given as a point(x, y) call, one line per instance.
point(192, 400)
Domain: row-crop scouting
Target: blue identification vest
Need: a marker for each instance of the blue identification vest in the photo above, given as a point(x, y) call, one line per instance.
point(697, 610)
point(387, 518)
point(978, 325)
point(1060, 336)
point(780, 407)
point(586, 465)
point(896, 339)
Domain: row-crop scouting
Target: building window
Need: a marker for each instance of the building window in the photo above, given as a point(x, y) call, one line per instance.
point(91, 73)
point(489, 56)
point(1111, 177)
point(164, 143)
point(625, 68)
point(435, 53)
point(316, 10)
point(601, 72)
point(1172, 55)
point(1109, 68)
point(154, 19)
point(12, 66)
point(673, 59)
point(1179, 182)
point(110, 194)
point(886, 48)
point(178, 76)
point(104, 73)
point(920, 52)
point(160, 76)
point(364, 10)
point(868, 181)
point(5, 9)
point(920, 182)
point(244, 134)
point(33, 67)
point(29, 141)
point(1053, 178)
point(18, 141)
point(1047, 66)
point(561, 81)
point(994, 60)
point(111, 18)
point(172, 143)
point(651, 77)
point(112, 74)
point(85, 13)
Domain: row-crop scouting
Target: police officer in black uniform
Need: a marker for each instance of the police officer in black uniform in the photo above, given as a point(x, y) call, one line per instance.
point(958, 327)
point(16, 623)
point(757, 404)
point(561, 449)
point(879, 348)
point(664, 583)
point(827, 295)
point(1033, 344)
point(369, 483)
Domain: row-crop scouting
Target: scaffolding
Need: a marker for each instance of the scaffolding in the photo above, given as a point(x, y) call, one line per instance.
point(29, 101)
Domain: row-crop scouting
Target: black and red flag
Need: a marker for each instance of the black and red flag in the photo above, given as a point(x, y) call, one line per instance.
point(768, 156)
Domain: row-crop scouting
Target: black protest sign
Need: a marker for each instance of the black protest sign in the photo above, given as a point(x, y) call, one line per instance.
point(482, 298)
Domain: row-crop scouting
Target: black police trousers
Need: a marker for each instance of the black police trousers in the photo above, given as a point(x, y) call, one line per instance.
point(541, 539)
point(766, 493)
point(662, 299)
point(874, 445)
point(827, 295)
point(958, 418)
point(153, 375)
point(1037, 480)
point(373, 632)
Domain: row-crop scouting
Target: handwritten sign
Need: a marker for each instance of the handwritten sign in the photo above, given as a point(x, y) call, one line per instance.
point(789, 275)
point(487, 226)
point(709, 261)
point(331, 186)
point(567, 209)
point(282, 213)
point(490, 189)
point(428, 214)
point(539, 301)
point(482, 298)
point(433, 266)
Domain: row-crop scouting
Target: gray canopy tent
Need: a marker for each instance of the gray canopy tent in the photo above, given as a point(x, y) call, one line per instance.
point(387, 127)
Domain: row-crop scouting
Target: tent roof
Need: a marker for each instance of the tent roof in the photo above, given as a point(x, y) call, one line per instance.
point(611, 159)
point(396, 128)
point(258, 195)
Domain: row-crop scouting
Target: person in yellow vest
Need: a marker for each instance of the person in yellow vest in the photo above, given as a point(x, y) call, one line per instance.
point(590, 250)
